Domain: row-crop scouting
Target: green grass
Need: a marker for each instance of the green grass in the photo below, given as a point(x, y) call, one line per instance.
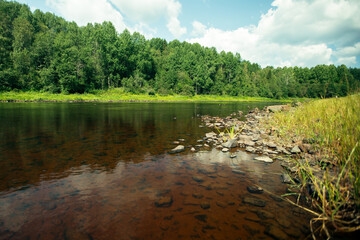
point(118, 95)
point(334, 124)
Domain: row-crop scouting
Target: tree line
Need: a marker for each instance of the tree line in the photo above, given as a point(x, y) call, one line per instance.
point(43, 52)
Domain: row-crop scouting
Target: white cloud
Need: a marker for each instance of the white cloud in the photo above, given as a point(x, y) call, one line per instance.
point(198, 28)
point(307, 21)
point(146, 12)
point(294, 33)
point(88, 11)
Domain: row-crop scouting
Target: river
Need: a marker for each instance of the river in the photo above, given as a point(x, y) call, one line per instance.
point(103, 171)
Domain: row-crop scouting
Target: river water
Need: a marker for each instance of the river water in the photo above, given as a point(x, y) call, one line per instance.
point(103, 171)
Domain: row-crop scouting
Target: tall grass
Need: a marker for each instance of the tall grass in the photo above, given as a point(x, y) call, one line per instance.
point(334, 126)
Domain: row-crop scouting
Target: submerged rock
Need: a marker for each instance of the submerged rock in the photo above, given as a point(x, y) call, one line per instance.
point(164, 201)
point(198, 179)
point(254, 201)
point(178, 149)
point(262, 214)
point(221, 204)
point(205, 205)
point(197, 195)
point(255, 189)
point(276, 232)
point(201, 217)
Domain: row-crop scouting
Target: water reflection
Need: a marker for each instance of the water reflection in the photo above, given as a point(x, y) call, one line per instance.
point(95, 171)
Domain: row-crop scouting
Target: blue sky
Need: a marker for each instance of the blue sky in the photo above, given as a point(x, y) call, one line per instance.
point(268, 32)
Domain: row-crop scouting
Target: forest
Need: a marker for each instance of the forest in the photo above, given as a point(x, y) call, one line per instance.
point(43, 52)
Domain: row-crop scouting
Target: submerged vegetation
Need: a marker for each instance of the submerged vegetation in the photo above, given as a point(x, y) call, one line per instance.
point(43, 52)
point(332, 126)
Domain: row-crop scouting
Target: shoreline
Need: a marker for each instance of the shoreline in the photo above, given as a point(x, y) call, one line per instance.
point(312, 171)
point(117, 96)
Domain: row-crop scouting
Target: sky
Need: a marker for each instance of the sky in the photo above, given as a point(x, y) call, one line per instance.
point(275, 33)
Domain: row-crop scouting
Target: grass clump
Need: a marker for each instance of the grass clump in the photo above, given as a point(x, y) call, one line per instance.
point(332, 126)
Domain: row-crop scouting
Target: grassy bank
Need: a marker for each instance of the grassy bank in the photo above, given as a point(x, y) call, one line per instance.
point(333, 128)
point(118, 95)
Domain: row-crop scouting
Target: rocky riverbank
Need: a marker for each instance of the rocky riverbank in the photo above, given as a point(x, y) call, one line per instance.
point(249, 133)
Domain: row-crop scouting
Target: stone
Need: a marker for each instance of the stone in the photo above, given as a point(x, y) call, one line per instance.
point(276, 108)
point(271, 145)
point(190, 202)
point(175, 143)
point(201, 217)
point(164, 201)
point(244, 138)
point(221, 204)
point(250, 149)
point(197, 195)
point(205, 205)
point(255, 189)
point(208, 170)
point(305, 147)
point(253, 219)
point(249, 143)
point(254, 201)
point(270, 151)
point(264, 159)
point(230, 143)
point(232, 155)
point(276, 198)
point(225, 150)
point(282, 150)
point(283, 221)
point(210, 135)
point(198, 179)
point(262, 214)
point(192, 149)
point(181, 140)
point(285, 178)
point(276, 232)
point(295, 150)
point(241, 210)
point(250, 229)
point(178, 149)
point(220, 193)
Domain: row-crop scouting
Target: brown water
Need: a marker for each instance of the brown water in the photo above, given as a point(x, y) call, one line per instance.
point(96, 171)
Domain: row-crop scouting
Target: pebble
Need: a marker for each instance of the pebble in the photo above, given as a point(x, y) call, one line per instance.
point(264, 159)
point(225, 150)
point(164, 201)
point(255, 189)
point(254, 201)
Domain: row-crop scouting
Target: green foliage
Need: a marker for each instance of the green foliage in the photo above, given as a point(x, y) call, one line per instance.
point(40, 51)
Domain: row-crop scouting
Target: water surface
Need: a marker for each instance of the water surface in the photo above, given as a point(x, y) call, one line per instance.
point(96, 171)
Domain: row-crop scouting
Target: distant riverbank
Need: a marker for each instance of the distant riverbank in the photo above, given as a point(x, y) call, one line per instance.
point(118, 95)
